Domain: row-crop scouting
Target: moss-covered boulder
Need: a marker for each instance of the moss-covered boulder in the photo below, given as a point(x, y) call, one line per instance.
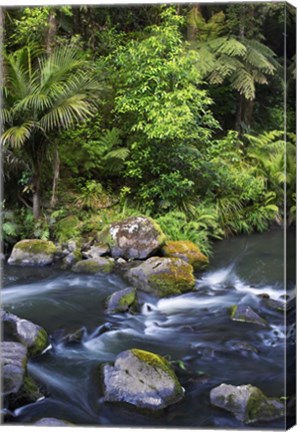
point(93, 266)
point(244, 313)
point(21, 330)
point(248, 403)
point(142, 379)
point(133, 238)
point(163, 276)
point(122, 301)
point(187, 251)
point(32, 252)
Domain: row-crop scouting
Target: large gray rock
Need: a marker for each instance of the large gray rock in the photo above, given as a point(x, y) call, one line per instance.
point(21, 330)
point(13, 364)
point(142, 379)
point(32, 252)
point(122, 301)
point(163, 276)
point(247, 403)
point(133, 238)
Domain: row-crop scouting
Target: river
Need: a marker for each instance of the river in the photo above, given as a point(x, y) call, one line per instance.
point(193, 330)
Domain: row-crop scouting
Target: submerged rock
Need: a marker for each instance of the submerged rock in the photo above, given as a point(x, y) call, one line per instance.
point(244, 313)
point(247, 403)
point(187, 251)
point(21, 330)
point(92, 266)
point(133, 238)
point(142, 379)
point(32, 252)
point(163, 276)
point(13, 365)
point(122, 301)
point(51, 421)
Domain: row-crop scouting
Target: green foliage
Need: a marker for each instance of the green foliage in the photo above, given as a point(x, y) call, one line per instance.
point(243, 61)
point(164, 113)
point(67, 228)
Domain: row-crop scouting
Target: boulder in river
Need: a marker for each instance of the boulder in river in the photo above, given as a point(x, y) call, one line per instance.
point(187, 251)
point(93, 266)
point(21, 330)
point(244, 313)
point(142, 379)
point(133, 238)
point(122, 301)
point(14, 363)
point(163, 276)
point(51, 421)
point(32, 252)
point(248, 403)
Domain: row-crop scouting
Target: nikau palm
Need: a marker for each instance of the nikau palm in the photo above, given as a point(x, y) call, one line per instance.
point(42, 96)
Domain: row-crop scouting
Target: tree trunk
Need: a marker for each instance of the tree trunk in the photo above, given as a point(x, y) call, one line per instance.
point(36, 196)
point(56, 175)
point(248, 112)
point(192, 27)
point(51, 32)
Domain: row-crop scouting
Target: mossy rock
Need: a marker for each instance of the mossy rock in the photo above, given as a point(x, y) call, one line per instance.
point(163, 276)
point(93, 266)
point(248, 403)
point(67, 228)
point(133, 238)
point(187, 251)
point(143, 379)
point(26, 332)
point(32, 252)
point(244, 313)
point(122, 301)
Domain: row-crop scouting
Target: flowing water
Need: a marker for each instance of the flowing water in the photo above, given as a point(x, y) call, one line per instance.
point(193, 330)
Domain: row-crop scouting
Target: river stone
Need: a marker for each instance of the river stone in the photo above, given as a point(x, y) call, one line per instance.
point(246, 314)
point(187, 251)
point(92, 266)
point(96, 251)
point(21, 330)
point(13, 365)
point(143, 379)
point(51, 421)
point(133, 238)
point(32, 252)
point(247, 403)
point(122, 301)
point(163, 276)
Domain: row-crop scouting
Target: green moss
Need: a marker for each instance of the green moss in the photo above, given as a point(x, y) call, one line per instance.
point(261, 407)
point(93, 266)
point(127, 299)
point(40, 344)
point(187, 251)
point(161, 236)
point(36, 246)
point(233, 310)
point(176, 280)
point(30, 390)
point(157, 362)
